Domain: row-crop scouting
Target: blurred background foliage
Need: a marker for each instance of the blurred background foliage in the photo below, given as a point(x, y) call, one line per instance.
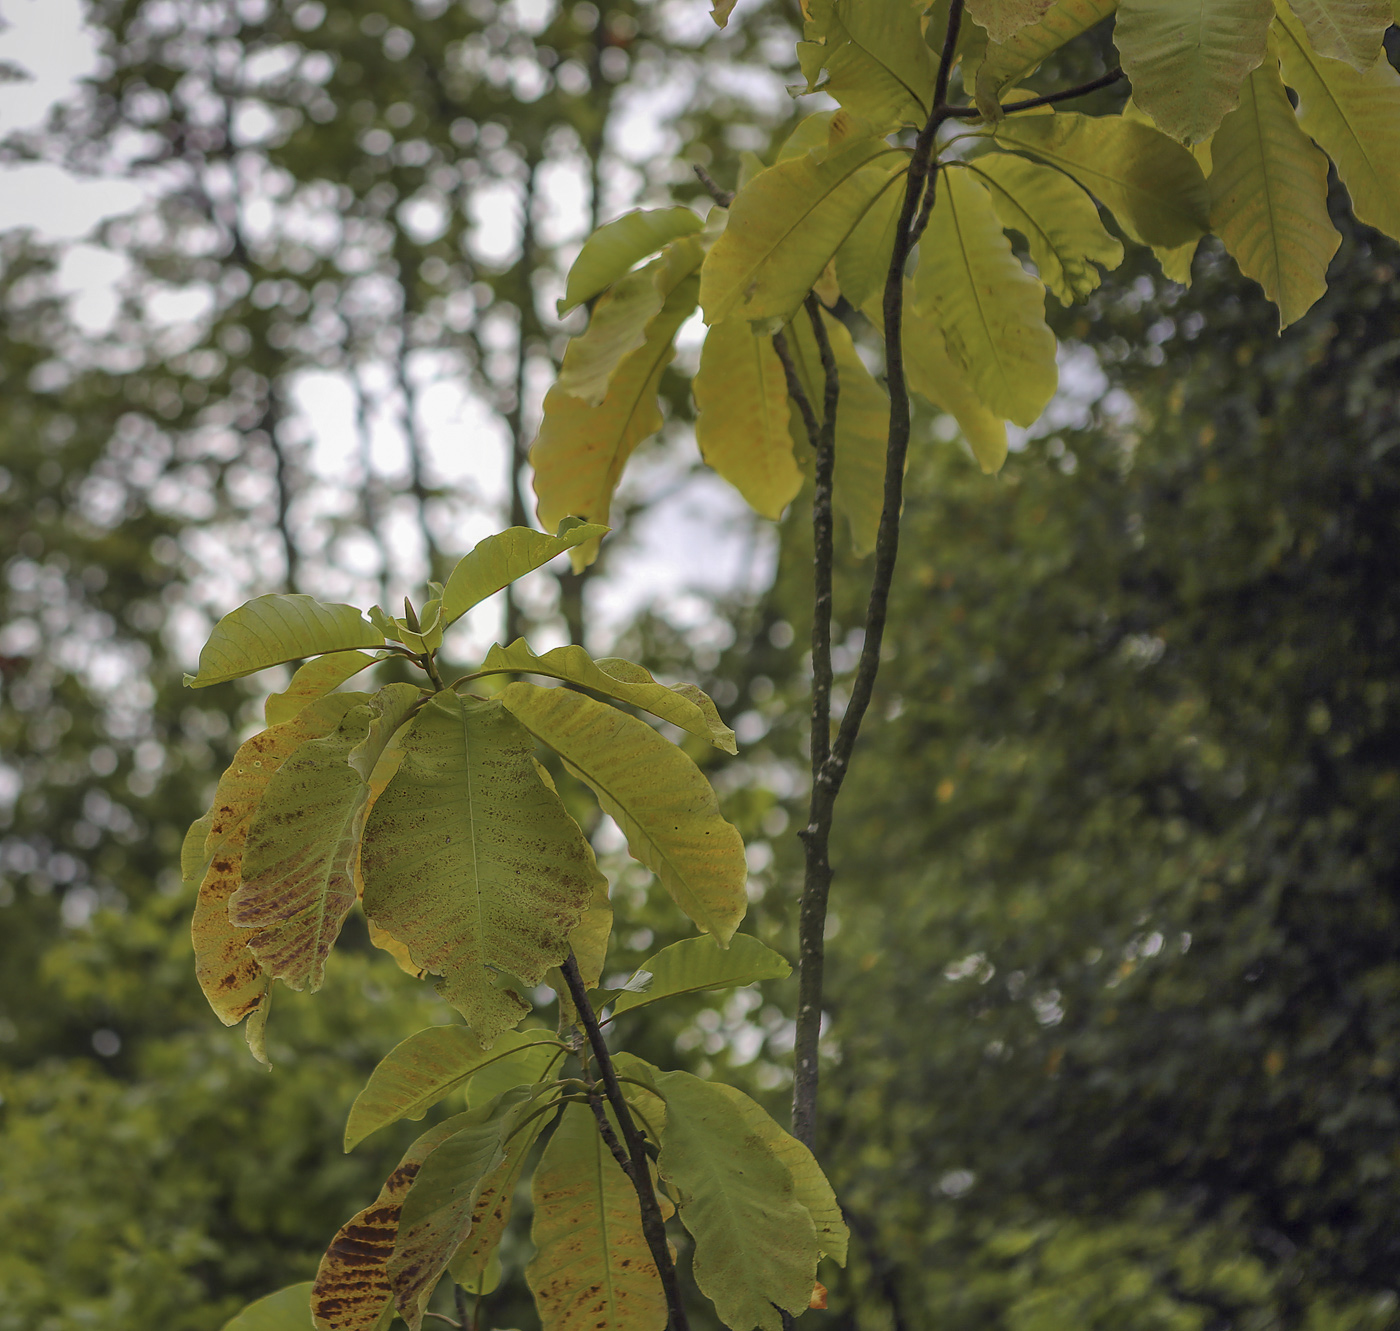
point(1114, 1030)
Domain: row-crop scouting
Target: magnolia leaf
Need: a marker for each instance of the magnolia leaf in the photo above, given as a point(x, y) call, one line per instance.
point(784, 227)
point(417, 1073)
point(742, 416)
point(314, 680)
point(271, 630)
point(616, 327)
point(1269, 197)
point(658, 797)
point(437, 1212)
point(879, 67)
point(1003, 19)
point(1007, 62)
point(529, 1057)
point(580, 451)
point(351, 1291)
point(696, 964)
point(592, 1266)
point(1354, 118)
point(755, 1242)
point(721, 10)
point(472, 862)
point(1153, 187)
point(500, 559)
point(616, 246)
point(811, 135)
point(1187, 61)
point(287, 1310)
point(809, 1183)
point(863, 262)
point(1059, 221)
point(302, 845)
point(618, 679)
point(991, 311)
point(1350, 30)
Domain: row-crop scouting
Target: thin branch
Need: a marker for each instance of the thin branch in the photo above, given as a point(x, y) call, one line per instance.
point(723, 197)
point(794, 387)
point(1030, 104)
point(637, 1166)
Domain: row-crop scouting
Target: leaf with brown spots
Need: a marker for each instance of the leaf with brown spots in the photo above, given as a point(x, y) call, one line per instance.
point(592, 1268)
point(314, 680)
point(473, 863)
point(351, 1290)
point(304, 840)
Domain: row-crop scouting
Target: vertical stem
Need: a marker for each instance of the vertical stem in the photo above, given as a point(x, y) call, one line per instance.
point(413, 438)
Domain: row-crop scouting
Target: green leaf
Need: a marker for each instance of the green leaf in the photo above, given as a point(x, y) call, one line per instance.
point(304, 841)
point(351, 1291)
point(1153, 187)
point(1187, 61)
point(314, 680)
point(616, 327)
point(528, 1057)
point(1269, 197)
point(809, 1183)
point(1354, 118)
point(616, 246)
point(742, 416)
point(1003, 19)
point(1350, 30)
point(499, 560)
point(656, 794)
point(580, 451)
point(991, 311)
point(811, 135)
point(696, 964)
point(1007, 62)
point(879, 66)
point(682, 705)
point(287, 1310)
point(755, 1242)
point(1059, 221)
point(472, 863)
point(271, 630)
point(784, 227)
point(420, 1071)
point(592, 1267)
point(721, 10)
point(863, 262)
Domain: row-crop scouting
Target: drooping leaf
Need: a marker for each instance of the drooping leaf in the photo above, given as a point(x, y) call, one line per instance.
point(1269, 197)
point(863, 262)
point(878, 65)
point(618, 679)
point(991, 311)
point(616, 246)
point(697, 964)
point(1176, 260)
point(472, 863)
point(616, 327)
point(499, 560)
point(1187, 61)
point(351, 1291)
point(1350, 30)
point(656, 794)
point(721, 10)
point(592, 1267)
point(1153, 187)
point(1354, 118)
point(271, 630)
point(784, 227)
point(755, 1242)
point(580, 451)
point(314, 680)
point(287, 1310)
point(1003, 19)
point(420, 1071)
point(1007, 62)
point(302, 845)
point(1059, 221)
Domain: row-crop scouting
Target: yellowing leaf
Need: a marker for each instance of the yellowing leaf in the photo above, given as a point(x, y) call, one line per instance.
point(863, 262)
point(1354, 118)
point(784, 227)
point(1153, 187)
point(682, 705)
point(499, 560)
point(270, 630)
point(472, 863)
point(755, 1242)
point(617, 326)
point(991, 311)
point(879, 67)
point(580, 451)
point(1269, 197)
point(1006, 62)
point(615, 246)
point(1003, 19)
point(314, 680)
point(811, 135)
point(697, 964)
point(1350, 30)
point(1187, 61)
point(656, 794)
point(742, 406)
point(287, 1310)
point(592, 1266)
point(418, 1072)
point(304, 840)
